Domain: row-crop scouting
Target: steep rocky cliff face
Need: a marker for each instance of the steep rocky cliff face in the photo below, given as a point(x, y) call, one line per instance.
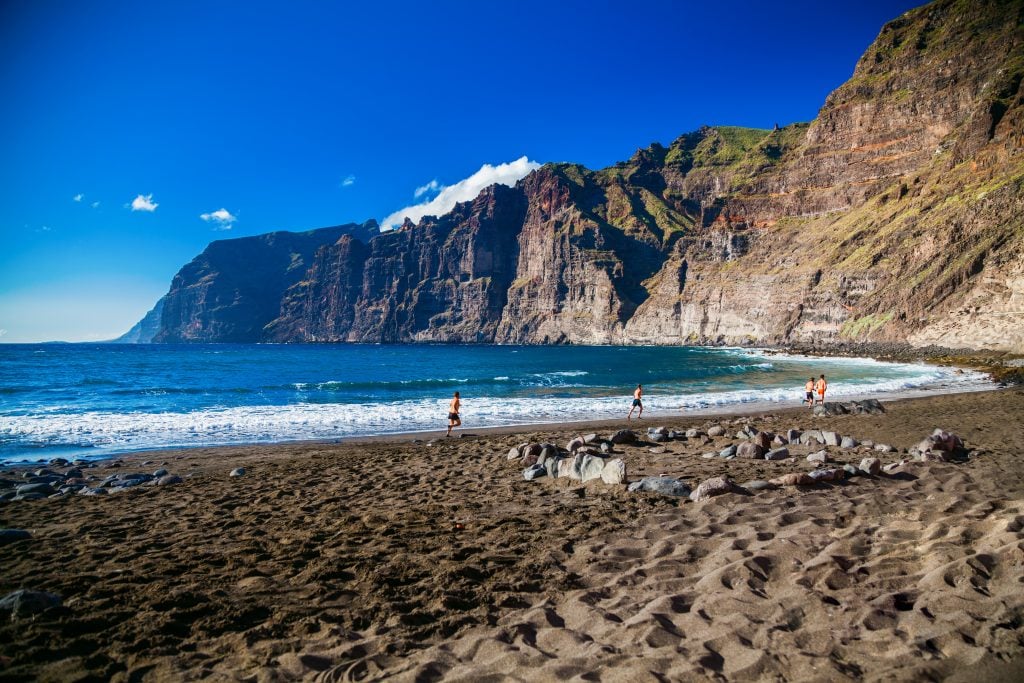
point(231, 291)
point(895, 215)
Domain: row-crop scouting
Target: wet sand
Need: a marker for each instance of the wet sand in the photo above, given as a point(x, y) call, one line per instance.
point(391, 559)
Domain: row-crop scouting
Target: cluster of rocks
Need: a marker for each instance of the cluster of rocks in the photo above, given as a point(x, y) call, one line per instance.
point(61, 478)
point(766, 445)
point(584, 458)
point(940, 446)
point(871, 406)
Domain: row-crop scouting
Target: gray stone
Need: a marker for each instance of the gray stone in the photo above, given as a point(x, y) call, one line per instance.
point(871, 466)
point(812, 437)
point(92, 492)
point(533, 449)
point(693, 433)
point(712, 454)
point(716, 430)
point(777, 454)
point(893, 467)
point(30, 496)
point(591, 438)
point(614, 472)
point(514, 453)
point(715, 486)
point(884, 448)
point(831, 438)
point(851, 470)
point(868, 443)
point(848, 442)
point(658, 430)
point(74, 473)
point(758, 485)
point(169, 479)
point(237, 472)
point(12, 535)
point(591, 467)
point(820, 456)
point(657, 450)
point(780, 440)
point(727, 452)
point(793, 435)
point(658, 437)
point(533, 472)
point(666, 486)
point(42, 489)
point(830, 474)
point(606, 446)
point(24, 603)
point(624, 436)
point(552, 464)
point(575, 444)
point(749, 449)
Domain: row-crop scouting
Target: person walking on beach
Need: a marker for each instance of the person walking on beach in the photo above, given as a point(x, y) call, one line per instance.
point(453, 413)
point(809, 393)
point(820, 387)
point(637, 403)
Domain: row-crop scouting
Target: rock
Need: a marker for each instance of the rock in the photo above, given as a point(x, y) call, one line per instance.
point(749, 449)
point(575, 444)
point(12, 535)
point(942, 441)
point(591, 438)
point(780, 440)
point(606, 447)
point(624, 436)
point(792, 479)
point(658, 430)
point(793, 435)
point(763, 439)
point(884, 448)
point(565, 469)
point(24, 603)
point(673, 434)
point(777, 454)
point(533, 472)
point(658, 450)
point(830, 474)
point(73, 473)
point(716, 430)
point(59, 462)
point(868, 443)
point(893, 467)
point(758, 485)
point(614, 472)
point(820, 456)
point(168, 479)
point(871, 466)
point(658, 437)
point(851, 470)
point(812, 437)
point(552, 464)
point(547, 451)
point(666, 486)
point(868, 407)
point(848, 442)
point(31, 496)
point(831, 438)
point(514, 453)
point(933, 456)
point(693, 433)
point(237, 472)
point(715, 486)
point(41, 489)
point(727, 452)
point(92, 492)
point(591, 467)
point(712, 454)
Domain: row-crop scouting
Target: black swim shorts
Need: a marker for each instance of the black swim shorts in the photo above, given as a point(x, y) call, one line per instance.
point(636, 403)
point(453, 416)
point(810, 395)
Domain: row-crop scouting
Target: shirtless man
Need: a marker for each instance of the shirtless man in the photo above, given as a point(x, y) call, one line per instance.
point(809, 393)
point(637, 403)
point(453, 413)
point(821, 385)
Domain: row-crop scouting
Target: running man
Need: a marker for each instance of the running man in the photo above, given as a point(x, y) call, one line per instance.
point(453, 413)
point(809, 393)
point(637, 403)
point(820, 386)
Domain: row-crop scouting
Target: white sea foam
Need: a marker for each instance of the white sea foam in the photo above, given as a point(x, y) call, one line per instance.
point(126, 431)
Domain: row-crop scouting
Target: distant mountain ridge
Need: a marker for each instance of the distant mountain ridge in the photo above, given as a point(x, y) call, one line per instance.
point(895, 215)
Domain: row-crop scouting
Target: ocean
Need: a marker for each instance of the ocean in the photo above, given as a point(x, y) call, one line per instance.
point(97, 400)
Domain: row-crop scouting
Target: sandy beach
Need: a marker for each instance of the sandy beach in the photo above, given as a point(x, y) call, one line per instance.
point(424, 558)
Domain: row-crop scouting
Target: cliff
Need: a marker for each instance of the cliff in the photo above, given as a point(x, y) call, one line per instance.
point(895, 215)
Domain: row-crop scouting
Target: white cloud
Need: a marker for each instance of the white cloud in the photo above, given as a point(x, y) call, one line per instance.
point(432, 186)
point(462, 191)
point(144, 203)
point(221, 218)
point(348, 181)
point(78, 197)
point(3, 332)
point(95, 205)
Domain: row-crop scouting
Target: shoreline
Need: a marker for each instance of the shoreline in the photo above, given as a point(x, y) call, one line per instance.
point(396, 560)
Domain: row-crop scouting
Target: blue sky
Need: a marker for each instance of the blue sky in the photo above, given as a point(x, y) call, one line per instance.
point(297, 115)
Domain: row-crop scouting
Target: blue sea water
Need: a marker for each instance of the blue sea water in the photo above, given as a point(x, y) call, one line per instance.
point(95, 400)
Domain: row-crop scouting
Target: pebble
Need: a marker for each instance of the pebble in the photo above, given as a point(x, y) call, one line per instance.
point(758, 485)
point(237, 472)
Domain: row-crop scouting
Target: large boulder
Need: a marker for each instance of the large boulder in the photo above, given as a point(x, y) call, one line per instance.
point(715, 486)
point(591, 467)
point(624, 436)
point(871, 466)
point(749, 449)
point(716, 430)
point(812, 437)
point(831, 438)
point(614, 472)
point(666, 486)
